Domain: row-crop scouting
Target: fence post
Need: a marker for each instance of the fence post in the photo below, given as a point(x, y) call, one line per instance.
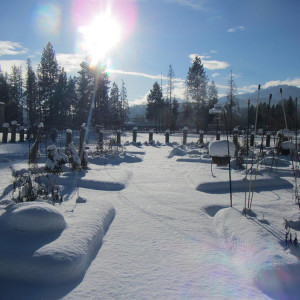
point(5, 132)
point(167, 136)
point(252, 139)
point(134, 134)
point(13, 131)
point(185, 132)
point(268, 139)
point(100, 139)
point(119, 136)
point(22, 131)
point(81, 139)
point(150, 135)
point(201, 135)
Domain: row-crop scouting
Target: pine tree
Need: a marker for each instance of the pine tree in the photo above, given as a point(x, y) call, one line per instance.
point(115, 105)
point(101, 105)
point(155, 105)
point(124, 104)
point(175, 112)
point(60, 108)
point(212, 98)
point(16, 94)
point(232, 103)
point(48, 72)
point(4, 95)
point(85, 88)
point(31, 95)
point(196, 84)
point(170, 88)
point(71, 101)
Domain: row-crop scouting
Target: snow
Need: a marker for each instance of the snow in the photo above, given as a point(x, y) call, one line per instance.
point(287, 145)
point(220, 148)
point(152, 222)
point(36, 217)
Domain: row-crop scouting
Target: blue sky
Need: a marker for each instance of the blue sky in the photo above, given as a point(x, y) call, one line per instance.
point(259, 40)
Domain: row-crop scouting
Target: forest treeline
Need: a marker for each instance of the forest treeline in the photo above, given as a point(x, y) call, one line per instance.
point(48, 95)
point(201, 96)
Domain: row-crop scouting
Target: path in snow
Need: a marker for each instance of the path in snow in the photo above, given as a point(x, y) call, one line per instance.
point(163, 244)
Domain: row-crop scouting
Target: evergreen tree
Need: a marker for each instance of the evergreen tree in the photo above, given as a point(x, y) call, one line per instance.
point(168, 104)
point(124, 104)
point(60, 108)
point(232, 104)
point(71, 102)
point(15, 107)
point(212, 95)
point(196, 83)
point(31, 95)
point(85, 88)
point(4, 95)
point(101, 105)
point(175, 112)
point(154, 111)
point(48, 72)
point(115, 105)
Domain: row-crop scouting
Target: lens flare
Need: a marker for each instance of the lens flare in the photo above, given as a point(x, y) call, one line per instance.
point(101, 25)
point(47, 19)
point(99, 37)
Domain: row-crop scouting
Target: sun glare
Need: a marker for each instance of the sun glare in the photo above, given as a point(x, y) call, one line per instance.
point(99, 37)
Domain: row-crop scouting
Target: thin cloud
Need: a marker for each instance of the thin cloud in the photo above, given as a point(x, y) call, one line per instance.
point(211, 64)
point(6, 65)
point(199, 5)
point(235, 29)
point(293, 82)
point(70, 62)
point(154, 77)
point(11, 48)
point(215, 74)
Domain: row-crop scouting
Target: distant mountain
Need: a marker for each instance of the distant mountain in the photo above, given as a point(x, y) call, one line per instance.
point(137, 111)
point(287, 91)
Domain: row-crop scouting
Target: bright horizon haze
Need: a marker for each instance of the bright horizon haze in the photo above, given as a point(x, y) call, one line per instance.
point(257, 39)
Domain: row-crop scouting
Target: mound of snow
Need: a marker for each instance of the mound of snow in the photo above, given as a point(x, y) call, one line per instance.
point(220, 148)
point(57, 257)
point(33, 217)
point(177, 151)
point(288, 146)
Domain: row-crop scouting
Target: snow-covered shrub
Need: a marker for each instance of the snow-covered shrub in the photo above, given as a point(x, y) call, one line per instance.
point(34, 153)
point(55, 159)
point(74, 158)
point(31, 187)
point(53, 134)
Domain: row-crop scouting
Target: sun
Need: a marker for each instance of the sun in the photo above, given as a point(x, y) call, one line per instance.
point(99, 37)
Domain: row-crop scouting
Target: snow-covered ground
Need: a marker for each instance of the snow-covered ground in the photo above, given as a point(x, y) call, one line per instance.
point(151, 223)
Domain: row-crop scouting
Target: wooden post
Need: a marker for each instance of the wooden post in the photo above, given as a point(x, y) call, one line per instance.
point(150, 135)
point(22, 131)
point(119, 136)
point(201, 135)
point(185, 132)
point(167, 135)
point(134, 134)
point(100, 139)
point(13, 131)
point(252, 139)
point(5, 132)
point(268, 140)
